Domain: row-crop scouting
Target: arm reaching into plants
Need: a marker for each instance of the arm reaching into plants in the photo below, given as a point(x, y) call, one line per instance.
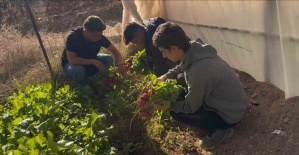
point(118, 59)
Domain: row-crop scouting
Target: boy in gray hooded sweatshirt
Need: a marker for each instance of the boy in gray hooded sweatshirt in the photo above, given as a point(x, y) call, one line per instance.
point(216, 100)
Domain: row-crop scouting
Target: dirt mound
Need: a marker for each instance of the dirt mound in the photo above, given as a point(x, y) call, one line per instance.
point(269, 127)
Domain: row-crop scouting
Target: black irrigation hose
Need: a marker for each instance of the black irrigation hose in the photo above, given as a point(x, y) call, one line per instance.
point(41, 43)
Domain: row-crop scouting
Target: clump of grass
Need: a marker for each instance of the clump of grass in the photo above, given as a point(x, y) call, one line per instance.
point(16, 51)
point(21, 59)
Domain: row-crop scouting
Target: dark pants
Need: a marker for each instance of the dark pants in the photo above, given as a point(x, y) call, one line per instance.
point(206, 120)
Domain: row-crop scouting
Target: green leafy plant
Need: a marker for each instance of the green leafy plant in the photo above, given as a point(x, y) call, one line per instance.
point(35, 121)
point(141, 63)
point(157, 93)
point(108, 81)
point(115, 92)
point(154, 94)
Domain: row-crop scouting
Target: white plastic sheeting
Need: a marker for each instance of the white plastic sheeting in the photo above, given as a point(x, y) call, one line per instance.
point(130, 12)
point(258, 37)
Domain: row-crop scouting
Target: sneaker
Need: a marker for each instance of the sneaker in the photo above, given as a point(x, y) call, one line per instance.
point(215, 138)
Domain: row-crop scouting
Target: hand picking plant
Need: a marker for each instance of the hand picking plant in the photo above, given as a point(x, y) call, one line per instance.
point(157, 94)
point(129, 63)
point(105, 82)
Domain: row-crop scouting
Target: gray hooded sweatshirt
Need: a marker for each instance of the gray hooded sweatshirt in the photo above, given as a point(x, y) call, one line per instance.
point(212, 83)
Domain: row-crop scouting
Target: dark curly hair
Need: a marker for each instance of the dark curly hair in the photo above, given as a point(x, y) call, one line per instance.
point(170, 34)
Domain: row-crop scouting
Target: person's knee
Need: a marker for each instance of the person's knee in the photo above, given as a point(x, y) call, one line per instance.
point(77, 72)
point(106, 59)
point(109, 60)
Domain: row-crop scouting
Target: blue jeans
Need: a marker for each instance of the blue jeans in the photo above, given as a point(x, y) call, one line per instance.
point(80, 73)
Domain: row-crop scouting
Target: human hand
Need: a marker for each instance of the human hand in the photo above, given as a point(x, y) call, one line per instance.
point(162, 78)
point(158, 106)
point(99, 65)
point(122, 71)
